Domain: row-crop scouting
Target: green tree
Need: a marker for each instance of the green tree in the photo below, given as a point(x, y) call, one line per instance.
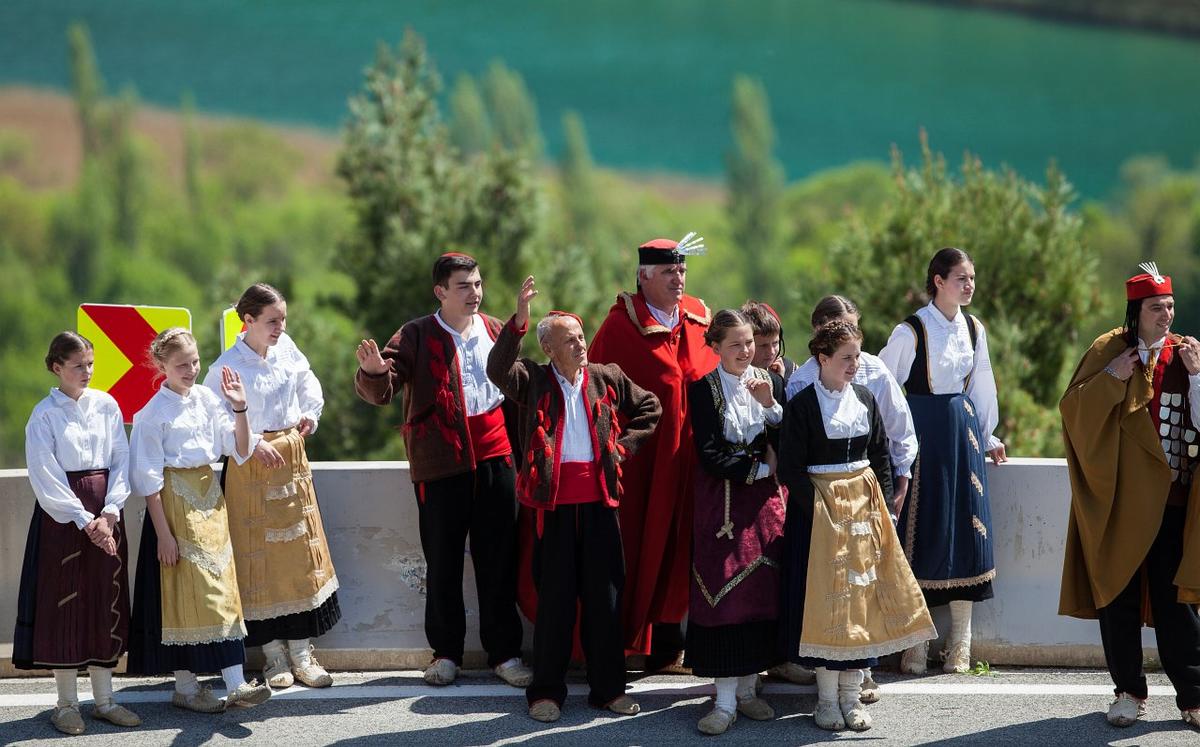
point(1036, 279)
point(470, 129)
point(512, 109)
point(87, 87)
point(755, 182)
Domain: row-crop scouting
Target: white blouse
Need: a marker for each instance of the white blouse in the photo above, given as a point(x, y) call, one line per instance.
point(281, 389)
point(180, 431)
point(745, 417)
point(577, 437)
point(951, 361)
point(844, 416)
point(479, 393)
point(893, 407)
point(65, 435)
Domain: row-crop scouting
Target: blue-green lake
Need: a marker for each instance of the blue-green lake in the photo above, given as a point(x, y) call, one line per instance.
point(652, 78)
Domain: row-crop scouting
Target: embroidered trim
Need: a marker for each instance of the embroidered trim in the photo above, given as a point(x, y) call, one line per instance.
point(291, 608)
point(910, 531)
point(71, 557)
point(116, 582)
point(279, 492)
point(861, 579)
point(761, 560)
point(647, 330)
point(234, 631)
point(296, 531)
point(860, 528)
point(958, 583)
point(979, 527)
point(972, 439)
point(705, 320)
point(970, 410)
point(726, 529)
point(215, 564)
point(848, 653)
point(978, 485)
point(67, 598)
point(203, 503)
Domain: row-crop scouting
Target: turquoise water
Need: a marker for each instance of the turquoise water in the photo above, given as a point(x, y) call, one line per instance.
point(651, 78)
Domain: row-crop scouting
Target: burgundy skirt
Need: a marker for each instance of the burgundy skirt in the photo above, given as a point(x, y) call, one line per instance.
point(73, 604)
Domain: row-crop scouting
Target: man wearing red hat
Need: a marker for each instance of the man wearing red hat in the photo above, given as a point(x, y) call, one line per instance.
point(656, 336)
point(1131, 422)
point(461, 466)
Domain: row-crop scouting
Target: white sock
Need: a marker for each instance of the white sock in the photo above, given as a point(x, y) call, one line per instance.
point(274, 650)
point(299, 651)
point(850, 685)
point(66, 680)
point(726, 693)
point(102, 691)
point(960, 622)
point(186, 682)
point(747, 687)
point(234, 677)
point(866, 674)
point(827, 685)
point(513, 662)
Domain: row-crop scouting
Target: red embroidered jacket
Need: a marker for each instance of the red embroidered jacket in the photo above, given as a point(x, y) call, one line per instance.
point(607, 392)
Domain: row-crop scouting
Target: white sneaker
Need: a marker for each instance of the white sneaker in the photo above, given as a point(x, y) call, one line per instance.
point(957, 658)
point(915, 660)
point(1125, 710)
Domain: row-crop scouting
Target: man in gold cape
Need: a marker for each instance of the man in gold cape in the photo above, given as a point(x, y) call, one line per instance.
point(1133, 541)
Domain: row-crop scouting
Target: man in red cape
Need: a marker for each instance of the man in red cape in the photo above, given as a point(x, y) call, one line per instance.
point(656, 336)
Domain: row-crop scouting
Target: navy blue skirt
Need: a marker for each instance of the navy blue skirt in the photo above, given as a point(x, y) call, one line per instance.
point(946, 523)
point(147, 653)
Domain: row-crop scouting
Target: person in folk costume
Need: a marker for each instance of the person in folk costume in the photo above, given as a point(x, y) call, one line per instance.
point(769, 345)
point(940, 356)
point(578, 422)
point(737, 527)
point(656, 336)
point(849, 595)
point(187, 613)
point(73, 602)
point(893, 409)
point(285, 573)
point(462, 466)
point(1131, 422)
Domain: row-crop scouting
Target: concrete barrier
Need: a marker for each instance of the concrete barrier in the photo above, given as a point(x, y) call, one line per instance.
point(370, 517)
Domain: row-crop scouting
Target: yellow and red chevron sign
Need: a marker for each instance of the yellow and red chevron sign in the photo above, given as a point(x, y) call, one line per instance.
point(231, 327)
point(122, 337)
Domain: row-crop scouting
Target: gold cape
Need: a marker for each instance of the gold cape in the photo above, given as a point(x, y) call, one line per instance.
point(1119, 484)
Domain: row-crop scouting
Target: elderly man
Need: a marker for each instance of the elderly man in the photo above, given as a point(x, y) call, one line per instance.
point(1130, 420)
point(656, 336)
point(573, 446)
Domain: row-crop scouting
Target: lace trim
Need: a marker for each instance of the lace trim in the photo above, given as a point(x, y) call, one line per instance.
point(854, 578)
point(957, 583)
point(848, 653)
point(860, 528)
point(713, 601)
point(214, 564)
point(234, 631)
point(296, 531)
point(202, 503)
point(914, 502)
point(291, 608)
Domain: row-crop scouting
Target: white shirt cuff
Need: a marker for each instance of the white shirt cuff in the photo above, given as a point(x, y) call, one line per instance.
point(764, 471)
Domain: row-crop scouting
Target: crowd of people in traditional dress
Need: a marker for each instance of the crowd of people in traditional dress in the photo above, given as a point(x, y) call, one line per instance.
point(676, 490)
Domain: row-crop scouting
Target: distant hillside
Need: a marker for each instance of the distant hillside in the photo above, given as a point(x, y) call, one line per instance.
point(1180, 17)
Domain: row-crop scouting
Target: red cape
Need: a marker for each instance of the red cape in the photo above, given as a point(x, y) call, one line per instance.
point(656, 502)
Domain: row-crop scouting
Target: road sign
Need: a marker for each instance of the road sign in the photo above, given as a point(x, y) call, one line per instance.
point(122, 337)
point(231, 326)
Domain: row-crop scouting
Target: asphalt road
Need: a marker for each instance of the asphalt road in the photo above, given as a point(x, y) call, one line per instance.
point(1017, 707)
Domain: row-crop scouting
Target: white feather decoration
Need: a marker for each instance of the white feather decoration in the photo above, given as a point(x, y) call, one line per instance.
point(1151, 268)
point(691, 245)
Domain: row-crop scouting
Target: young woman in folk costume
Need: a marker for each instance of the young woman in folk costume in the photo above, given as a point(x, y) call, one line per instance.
point(737, 537)
point(285, 573)
point(73, 604)
point(187, 614)
point(940, 355)
point(849, 595)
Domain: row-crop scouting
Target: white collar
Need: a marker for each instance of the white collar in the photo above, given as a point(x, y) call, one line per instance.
point(62, 399)
point(830, 393)
point(464, 337)
point(563, 379)
point(1157, 345)
point(734, 379)
point(175, 396)
point(941, 318)
point(242, 348)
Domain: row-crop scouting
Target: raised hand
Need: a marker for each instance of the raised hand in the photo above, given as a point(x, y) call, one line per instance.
point(1122, 365)
point(524, 296)
point(1189, 353)
point(231, 387)
point(369, 359)
point(760, 389)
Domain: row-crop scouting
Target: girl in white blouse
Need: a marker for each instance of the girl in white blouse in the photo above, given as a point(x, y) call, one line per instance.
point(187, 614)
point(73, 604)
point(285, 572)
point(940, 355)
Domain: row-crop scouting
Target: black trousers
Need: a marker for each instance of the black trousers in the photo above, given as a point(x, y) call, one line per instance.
point(480, 504)
point(578, 561)
point(1176, 626)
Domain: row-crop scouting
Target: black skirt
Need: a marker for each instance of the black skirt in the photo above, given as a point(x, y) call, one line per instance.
point(147, 653)
point(732, 650)
point(297, 626)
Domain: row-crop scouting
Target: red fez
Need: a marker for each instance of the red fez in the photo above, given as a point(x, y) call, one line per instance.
point(457, 254)
point(1150, 283)
point(667, 252)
